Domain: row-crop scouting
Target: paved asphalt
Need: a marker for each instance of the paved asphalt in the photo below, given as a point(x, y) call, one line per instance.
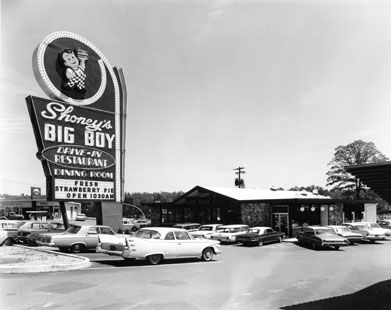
point(275, 276)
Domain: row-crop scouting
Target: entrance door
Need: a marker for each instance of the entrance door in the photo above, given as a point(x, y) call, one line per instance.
point(280, 222)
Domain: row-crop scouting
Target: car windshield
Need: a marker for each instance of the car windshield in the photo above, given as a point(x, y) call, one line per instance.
point(148, 234)
point(73, 229)
point(325, 231)
point(374, 225)
point(206, 228)
point(343, 229)
point(361, 226)
point(253, 231)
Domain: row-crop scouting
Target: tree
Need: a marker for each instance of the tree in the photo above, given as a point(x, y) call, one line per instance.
point(355, 153)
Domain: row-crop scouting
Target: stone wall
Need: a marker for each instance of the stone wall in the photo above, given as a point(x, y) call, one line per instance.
point(256, 214)
point(336, 215)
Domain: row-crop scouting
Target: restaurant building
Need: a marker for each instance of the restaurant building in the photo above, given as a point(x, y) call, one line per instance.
point(285, 211)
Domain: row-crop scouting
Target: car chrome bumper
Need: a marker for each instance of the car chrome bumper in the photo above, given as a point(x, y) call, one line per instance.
point(40, 243)
point(99, 249)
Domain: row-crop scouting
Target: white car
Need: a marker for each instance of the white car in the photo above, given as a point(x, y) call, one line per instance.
point(345, 232)
point(81, 217)
point(205, 231)
point(190, 227)
point(228, 233)
point(77, 238)
point(370, 231)
point(8, 231)
point(386, 224)
point(157, 243)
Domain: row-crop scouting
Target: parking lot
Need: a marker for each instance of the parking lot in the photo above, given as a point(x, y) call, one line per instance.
point(276, 276)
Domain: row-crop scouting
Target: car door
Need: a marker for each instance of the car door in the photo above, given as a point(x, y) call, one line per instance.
point(92, 237)
point(187, 246)
point(270, 235)
point(170, 245)
point(308, 237)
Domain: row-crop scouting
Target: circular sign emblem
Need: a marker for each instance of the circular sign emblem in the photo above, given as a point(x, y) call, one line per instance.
point(70, 68)
point(36, 191)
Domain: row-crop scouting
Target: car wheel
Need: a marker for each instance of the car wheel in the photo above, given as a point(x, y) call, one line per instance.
point(154, 259)
point(314, 246)
point(207, 254)
point(336, 247)
point(127, 232)
point(134, 228)
point(120, 231)
point(7, 242)
point(260, 243)
point(77, 248)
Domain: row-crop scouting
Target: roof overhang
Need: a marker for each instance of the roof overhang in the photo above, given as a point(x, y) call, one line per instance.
point(376, 176)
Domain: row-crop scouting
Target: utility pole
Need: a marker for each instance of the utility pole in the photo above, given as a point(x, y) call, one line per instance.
point(239, 182)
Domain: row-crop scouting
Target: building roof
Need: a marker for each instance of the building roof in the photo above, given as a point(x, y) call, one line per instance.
point(249, 194)
point(377, 176)
point(243, 194)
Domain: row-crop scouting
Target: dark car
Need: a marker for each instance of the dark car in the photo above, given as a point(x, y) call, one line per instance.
point(260, 236)
point(320, 236)
point(29, 231)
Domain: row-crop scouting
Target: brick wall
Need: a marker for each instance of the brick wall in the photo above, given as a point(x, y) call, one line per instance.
point(336, 215)
point(256, 214)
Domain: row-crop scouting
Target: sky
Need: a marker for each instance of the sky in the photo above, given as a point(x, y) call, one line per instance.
point(272, 86)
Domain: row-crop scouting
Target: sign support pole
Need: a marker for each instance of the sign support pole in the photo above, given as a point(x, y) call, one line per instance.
point(64, 214)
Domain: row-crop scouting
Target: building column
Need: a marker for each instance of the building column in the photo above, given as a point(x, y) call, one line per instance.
point(370, 214)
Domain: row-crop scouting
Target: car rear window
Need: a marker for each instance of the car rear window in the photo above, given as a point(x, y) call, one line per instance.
point(181, 235)
point(148, 234)
point(73, 229)
point(106, 231)
point(327, 231)
point(206, 228)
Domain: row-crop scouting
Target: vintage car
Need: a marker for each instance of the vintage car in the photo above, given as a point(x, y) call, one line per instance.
point(80, 217)
point(30, 230)
point(319, 237)
point(345, 232)
point(229, 233)
point(130, 225)
point(155, 244)
point(260, 236)
point(8, 231)
point(370, 231)
point(188, 226)
point(15, 216)
point(77, 238)
point(205, 231)
point(386, 224)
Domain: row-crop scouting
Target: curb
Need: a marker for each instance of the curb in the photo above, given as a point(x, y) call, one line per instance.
point(84, 263)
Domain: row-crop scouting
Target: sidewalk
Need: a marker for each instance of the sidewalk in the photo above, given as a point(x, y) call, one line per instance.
point(22, 259)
